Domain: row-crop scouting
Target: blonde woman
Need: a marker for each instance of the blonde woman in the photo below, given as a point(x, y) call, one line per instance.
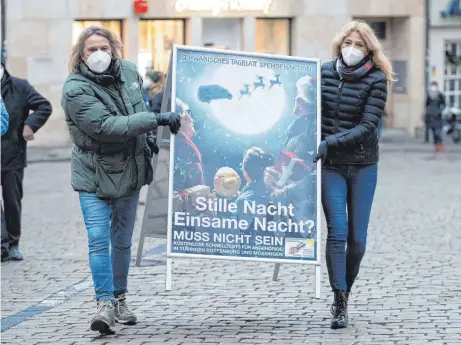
point(354, 92)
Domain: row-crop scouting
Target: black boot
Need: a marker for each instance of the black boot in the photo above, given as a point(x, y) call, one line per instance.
point(340, 316)
point(5, 254)
point(333, 305)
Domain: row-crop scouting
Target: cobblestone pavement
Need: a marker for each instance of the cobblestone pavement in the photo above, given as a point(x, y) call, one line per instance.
point(408, 291)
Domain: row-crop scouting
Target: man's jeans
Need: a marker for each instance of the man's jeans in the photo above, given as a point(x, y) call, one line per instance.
point(109, 224)
point(347, 196)
point(437, 133)
point(12, 207)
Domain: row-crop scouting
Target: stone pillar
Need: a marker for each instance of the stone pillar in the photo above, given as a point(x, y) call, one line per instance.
point(249, 34)
point(316, 26)
point(39, 39)
point(416, 68)
point(398, 104)
point(131, 38)
point(194, 31)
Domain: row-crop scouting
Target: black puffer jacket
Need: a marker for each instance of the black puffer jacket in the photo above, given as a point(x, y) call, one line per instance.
point(351, 111)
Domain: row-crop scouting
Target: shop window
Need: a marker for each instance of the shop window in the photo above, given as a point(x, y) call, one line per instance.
point(452, 73)
point(79, 25)
point(222, 33)
point(273, 36)
point(156, 39)
point(380, 29)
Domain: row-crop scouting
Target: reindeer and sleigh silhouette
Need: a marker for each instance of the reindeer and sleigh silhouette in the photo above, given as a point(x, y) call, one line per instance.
point(259, 84)
point(208, 93)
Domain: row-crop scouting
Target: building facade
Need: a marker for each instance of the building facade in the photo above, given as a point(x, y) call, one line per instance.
point(445, 48)
point(40, 34)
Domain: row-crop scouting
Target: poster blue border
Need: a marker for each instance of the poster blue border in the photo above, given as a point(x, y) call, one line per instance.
point(173, 72)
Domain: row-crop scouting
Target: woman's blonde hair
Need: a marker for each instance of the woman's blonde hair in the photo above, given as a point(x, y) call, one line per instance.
point(76, 52)
point(371, 41)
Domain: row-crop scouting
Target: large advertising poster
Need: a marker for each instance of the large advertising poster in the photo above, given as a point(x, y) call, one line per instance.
point(242, 182)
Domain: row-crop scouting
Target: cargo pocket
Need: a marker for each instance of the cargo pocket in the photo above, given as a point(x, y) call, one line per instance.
point(137, 101)
point(115, 178)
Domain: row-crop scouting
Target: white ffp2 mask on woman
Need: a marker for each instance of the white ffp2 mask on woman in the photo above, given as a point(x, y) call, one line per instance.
point(352, 56)
point(99, 61)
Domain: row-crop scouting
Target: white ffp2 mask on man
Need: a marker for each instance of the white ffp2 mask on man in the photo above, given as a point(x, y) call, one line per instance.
point(99, 61)
point(352, 56)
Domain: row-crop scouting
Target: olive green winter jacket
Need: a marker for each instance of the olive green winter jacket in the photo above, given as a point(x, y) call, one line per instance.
point(109, 125)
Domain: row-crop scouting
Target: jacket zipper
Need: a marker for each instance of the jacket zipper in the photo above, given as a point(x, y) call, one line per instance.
point(337, 107)
point(121, 96)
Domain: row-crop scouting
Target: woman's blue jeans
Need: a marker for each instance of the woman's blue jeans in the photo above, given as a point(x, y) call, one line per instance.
point(347, 196)
point(109, 224)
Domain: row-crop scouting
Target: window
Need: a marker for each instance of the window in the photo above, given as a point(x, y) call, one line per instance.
point(79, 25)
point(273, 36)
point(222, 33)
point(156, 39)
point(380, 29)
point(452, 74)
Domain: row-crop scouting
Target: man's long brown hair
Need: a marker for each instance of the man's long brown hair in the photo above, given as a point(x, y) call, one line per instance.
point(76, 53)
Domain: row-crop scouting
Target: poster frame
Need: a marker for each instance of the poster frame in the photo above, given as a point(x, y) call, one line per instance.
point(173, 73)
point(163, 144)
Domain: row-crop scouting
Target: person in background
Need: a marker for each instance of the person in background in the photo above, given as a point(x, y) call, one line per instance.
point(19, 98)
point(435, 103)
point(357, 78)
point(110, 127)
point(5, 119)
point(427, 129)
point(153, 85)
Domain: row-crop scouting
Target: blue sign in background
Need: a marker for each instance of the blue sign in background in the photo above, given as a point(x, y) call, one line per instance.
point(241, 115)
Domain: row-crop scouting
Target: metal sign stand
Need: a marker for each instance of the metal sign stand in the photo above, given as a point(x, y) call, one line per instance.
point(157, 213)
point(275, 277)
point(160, 203)
point(170, 255)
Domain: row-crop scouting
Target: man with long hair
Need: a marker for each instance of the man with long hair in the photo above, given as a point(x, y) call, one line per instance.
point(113, 140)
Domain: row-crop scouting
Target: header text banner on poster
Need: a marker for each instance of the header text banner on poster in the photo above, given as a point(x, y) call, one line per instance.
point(242, 182)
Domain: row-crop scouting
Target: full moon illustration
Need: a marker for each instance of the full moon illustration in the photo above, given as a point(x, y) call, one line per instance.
point(250, 114)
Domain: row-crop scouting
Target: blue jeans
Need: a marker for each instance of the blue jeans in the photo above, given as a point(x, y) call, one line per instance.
point(109, 224)
point(437, 133)
point(347, 196)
